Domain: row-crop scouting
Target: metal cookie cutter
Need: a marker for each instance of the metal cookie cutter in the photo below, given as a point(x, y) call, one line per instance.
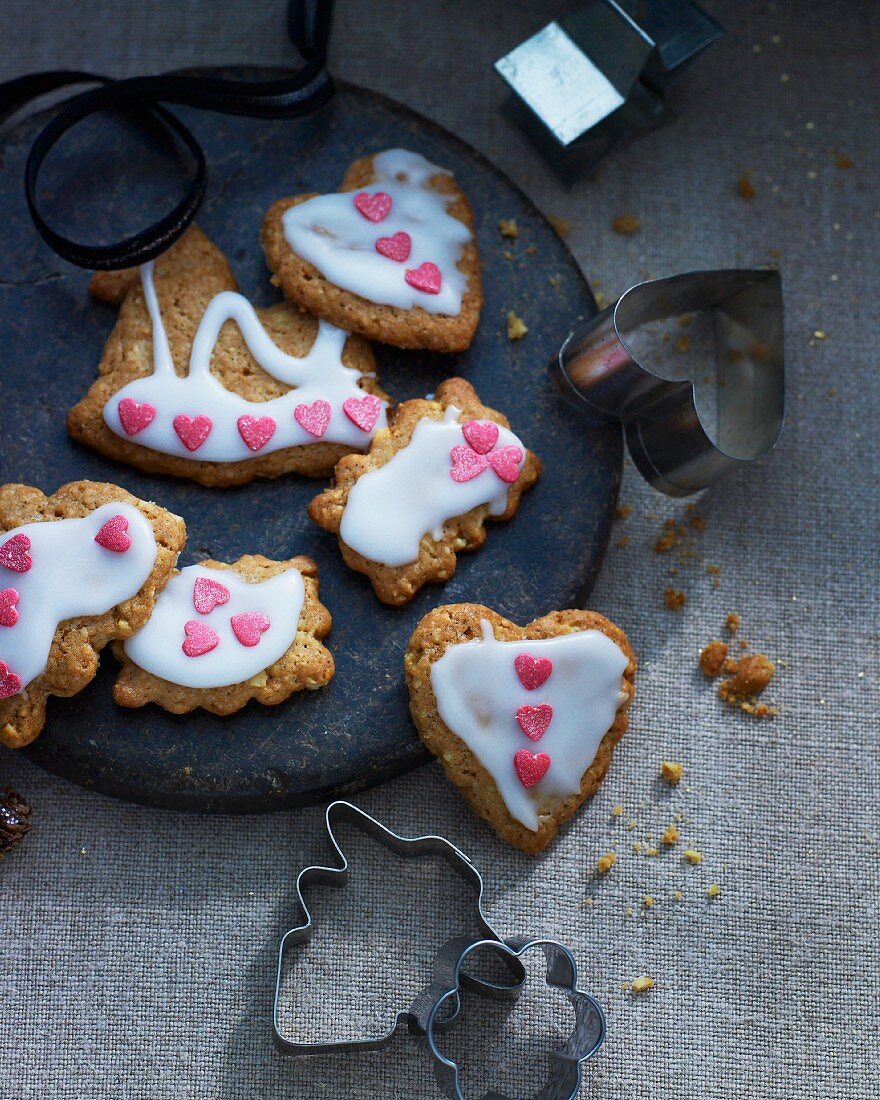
point(411, 848)
point(674, 449)
point(590, 80)
point(564, 1075)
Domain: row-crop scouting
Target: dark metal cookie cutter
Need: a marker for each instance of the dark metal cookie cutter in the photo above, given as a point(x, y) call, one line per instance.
point(408, 847)
point(670, 443)
point(586, 82)
point(564, 1073)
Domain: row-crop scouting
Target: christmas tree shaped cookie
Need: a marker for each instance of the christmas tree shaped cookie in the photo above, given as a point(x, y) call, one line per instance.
point(391, 255)
point(221, 635)
point(196, 382)
point(425, 490)
point(523, 719)
point(77, 570)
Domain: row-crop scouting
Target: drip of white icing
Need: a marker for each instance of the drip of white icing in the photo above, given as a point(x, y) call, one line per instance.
point(329, 232)
point(391, 508)
point(479, 693)
point(157, 647)
point(319, 376)
point(71, 576)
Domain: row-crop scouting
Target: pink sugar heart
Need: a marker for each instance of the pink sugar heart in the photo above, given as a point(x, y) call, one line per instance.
point(531, 767)
point(314, 418)
point(112, 535)
point(14, 554)
point(207, 594)
point(248, 626)
point(10, 682)
point(466, 463)
point(200, 638)
point(363, 412)
point(375, 207)
point(256, 431)
point(481, 434)
point(533, 721)
point(8, 611)
point(505, 462)
point(134, 416)
point(532, 671)
point(192, 432)
point(425, 277)
point(396, 248)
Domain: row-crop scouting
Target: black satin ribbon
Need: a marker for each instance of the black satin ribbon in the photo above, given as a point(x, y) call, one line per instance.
point(141, 97)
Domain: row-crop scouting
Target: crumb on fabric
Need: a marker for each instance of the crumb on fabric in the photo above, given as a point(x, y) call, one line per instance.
point(669, 537)
point(732, 622)
point(642, 984)
point(605, 863)
point(745, 188)
point(508, 227)
point(626, 224)
point(692, 856)
point(843, 161)
point(674, 599)
point(712, 658)
point(516, 326)
point(561, 225)
point(622, 511)
point(751, 676)
point(713, 891)
point(683, 343)
point(622, 542)
point(671, 836)
point(617, 810)
point(677, 894)
point(648, 901)
point(672, 771)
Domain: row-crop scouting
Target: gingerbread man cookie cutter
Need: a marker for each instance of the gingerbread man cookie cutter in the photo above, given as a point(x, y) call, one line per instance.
point(565, 1063)
point(341, 812)
point(668, 436)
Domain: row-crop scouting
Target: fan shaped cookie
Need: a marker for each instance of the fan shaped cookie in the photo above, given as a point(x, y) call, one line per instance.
point(77, 570)
point(391, 255)
point(221, 635)
point(196, 382)
point(425, 490)
point(524, 720)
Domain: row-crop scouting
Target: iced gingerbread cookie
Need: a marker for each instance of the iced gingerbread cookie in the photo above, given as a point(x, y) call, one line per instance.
point(391, 255)
point(523, 719)
point(221, 635)
point(77, 570)
point(196, 382)
point(425, 489)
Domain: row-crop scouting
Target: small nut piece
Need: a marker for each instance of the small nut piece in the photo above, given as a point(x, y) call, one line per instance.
point(672, 771)
point(642, 984)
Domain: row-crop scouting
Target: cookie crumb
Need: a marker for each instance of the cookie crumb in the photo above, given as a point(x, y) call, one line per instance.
point(617, 810)
point(712, 658)
point(642, 984)
point(674, 599)
point(677, 894)
point(508, 227)
point(713, 891)
point(750, 677)
point(692, 856)
point(732, 622)
point(622, 511)
point(843, 161)
point(745, 187)
point(561, 225)
point(626, 224)
point(605, 863)
point(683, 343)
point(648, 901)
point(516, 326)
point(671, 836)
point(672, 772)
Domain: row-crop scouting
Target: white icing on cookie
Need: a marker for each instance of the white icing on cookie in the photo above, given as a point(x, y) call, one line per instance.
point(479, 694)
point(58, 571)
point(391, 508)
point(332, 234)
point(158, 646)
point(221, 426)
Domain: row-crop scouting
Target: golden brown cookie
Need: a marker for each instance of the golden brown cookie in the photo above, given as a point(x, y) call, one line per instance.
point(392, 255)
point(274, 392)
point(77, 570)
point(425, 490)
point(222, 635)
point(523, 719)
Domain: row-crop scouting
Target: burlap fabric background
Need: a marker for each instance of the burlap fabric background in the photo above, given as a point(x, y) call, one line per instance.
point(137, 946)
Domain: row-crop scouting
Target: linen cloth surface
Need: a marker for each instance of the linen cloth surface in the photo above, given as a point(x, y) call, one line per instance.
point(138, 946)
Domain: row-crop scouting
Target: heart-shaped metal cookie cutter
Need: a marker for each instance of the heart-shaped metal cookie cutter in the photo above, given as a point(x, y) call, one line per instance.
point(667, 437)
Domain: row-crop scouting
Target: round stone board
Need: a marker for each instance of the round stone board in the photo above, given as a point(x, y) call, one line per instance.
point(356, 731)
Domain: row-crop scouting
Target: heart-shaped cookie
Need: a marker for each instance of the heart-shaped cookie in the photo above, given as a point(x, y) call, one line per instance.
point(470, 673)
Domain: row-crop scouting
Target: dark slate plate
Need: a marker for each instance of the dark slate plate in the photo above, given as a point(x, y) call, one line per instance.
point(357, 731)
